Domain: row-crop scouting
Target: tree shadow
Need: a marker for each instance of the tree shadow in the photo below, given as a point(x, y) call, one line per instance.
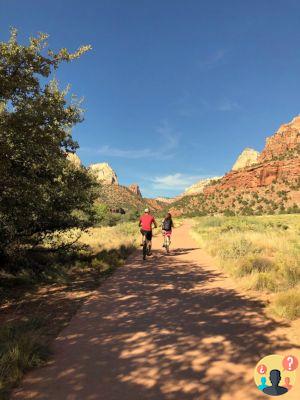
point(155, 332)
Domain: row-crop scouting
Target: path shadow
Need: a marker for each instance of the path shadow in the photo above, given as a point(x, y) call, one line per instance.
point(161, 333)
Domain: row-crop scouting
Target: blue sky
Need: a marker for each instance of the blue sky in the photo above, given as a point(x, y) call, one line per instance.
point(174, 90)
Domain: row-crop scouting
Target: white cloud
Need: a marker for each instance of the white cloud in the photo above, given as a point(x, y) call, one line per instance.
point(124, 153)
point(213, 59)
point(228, 105)
point(175, 181)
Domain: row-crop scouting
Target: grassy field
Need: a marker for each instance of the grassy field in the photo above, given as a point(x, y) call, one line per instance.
point(37, 303)
point(262, 252)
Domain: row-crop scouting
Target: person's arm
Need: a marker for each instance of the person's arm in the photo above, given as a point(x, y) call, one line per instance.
point(154, 223)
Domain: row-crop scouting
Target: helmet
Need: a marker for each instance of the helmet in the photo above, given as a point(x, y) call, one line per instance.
point(147, 210)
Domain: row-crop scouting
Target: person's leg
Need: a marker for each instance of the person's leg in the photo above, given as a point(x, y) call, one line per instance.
point(149, 244)
point(165, 242)
point(143, 237)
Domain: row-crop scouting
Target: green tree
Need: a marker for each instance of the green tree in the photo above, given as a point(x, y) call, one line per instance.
point(41, 191)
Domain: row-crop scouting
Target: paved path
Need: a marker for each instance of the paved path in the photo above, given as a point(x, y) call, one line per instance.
point(170, 328)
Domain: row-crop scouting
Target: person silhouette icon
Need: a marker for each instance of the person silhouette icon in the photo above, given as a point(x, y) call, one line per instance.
point(263, 384)
point(275, 389)
point(287, 383)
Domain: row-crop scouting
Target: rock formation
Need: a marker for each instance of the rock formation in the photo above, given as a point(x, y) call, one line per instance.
point(135, 189)
point(259, 175)
point(199, 186)
point(74, 159)
point(166, 200)
point(245, 159)
point(284, 143)
point(104, 173)
point(279, 162)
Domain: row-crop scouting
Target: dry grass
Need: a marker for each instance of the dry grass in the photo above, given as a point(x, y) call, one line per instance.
point(263, 252)
point(53, 296)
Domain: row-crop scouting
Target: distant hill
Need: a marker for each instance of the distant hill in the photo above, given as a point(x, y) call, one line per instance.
point(117, 196)
point(112, 194)
point(199, 186)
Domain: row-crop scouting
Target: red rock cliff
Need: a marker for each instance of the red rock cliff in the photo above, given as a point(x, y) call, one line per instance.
point(278, 162)
point(286, 139)
point(135, 189)
point(259, 175)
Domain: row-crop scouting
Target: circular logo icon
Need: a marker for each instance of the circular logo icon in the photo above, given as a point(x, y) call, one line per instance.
point(275, 375)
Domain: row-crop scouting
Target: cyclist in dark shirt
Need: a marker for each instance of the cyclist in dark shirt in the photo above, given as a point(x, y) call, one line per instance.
point(167, 225)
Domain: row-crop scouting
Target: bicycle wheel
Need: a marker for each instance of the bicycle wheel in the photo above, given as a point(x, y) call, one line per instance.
point(145, 249)
point(167, 244)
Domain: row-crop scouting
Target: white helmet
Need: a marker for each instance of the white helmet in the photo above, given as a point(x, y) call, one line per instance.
point(147, 210)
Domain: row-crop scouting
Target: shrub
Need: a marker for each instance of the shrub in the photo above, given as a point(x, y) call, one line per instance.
point(254, 264)
point(263, 281)
point(287, 304)
point(21, 349)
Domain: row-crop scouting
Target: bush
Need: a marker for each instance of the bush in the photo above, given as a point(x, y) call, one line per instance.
point(254, 264)
point(263, 281)
point(287, 304)
point(21, 349)
point(237, 248)
point(228, 213)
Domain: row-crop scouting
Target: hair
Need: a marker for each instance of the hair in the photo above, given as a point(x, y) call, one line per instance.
point(168, 216)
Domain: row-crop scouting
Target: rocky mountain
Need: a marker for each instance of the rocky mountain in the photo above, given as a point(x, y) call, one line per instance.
point(135, 189)
point(245, 159)
point(104, 173)
point(118, 196)
point(285, 143)
point(165, 200)
point(199, 186)
point(271, 185)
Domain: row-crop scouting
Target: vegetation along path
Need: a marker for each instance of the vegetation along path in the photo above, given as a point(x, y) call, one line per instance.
point(172, 327)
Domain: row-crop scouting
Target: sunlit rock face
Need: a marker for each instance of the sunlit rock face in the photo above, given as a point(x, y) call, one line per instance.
point(199, 186)
point(285, 143)
point(104, 173)
point(245, 159)
point(74, 159)
point(135, 189)
point(278, 163)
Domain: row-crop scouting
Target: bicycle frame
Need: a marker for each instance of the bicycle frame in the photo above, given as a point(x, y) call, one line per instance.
point(146, 244)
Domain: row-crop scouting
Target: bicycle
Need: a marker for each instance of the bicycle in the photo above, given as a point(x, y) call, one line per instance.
point(167, 242)
point(146, 247)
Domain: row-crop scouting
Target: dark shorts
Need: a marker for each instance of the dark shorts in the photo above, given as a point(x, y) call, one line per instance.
point(148, 234)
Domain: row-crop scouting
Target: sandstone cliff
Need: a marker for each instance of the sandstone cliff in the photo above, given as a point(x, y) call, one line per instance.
point(245, 159)
point(135, 189)
point(259, 175)
point(279, 162)
point(104, 173)
point(199, 186)
point(271, 185)
point(285, 143)
point(166, 200)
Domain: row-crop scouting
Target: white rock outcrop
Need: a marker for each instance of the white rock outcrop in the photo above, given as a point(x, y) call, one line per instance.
point(199, 186)
point(245, 159)
point(74, 159)
point(104, 173)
